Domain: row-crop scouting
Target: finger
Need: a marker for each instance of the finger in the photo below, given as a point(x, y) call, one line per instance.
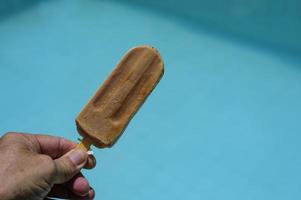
point(79, 185)
point(54, 146)
point(69, 165)
point(45, 144)
point(62, 192)
point(91, 162)
point(57, 146)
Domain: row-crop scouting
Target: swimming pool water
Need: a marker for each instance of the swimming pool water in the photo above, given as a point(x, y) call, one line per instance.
point(224, 122)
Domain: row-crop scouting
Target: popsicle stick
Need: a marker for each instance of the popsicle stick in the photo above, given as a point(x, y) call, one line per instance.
point(84, 144)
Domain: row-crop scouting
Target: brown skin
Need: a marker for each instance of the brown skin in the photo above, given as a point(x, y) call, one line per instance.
point(34, 167)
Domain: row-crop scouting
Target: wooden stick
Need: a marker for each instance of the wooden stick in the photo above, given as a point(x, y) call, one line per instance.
point(84, 144)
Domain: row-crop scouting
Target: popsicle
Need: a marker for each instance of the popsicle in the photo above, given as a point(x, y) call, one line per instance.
point(104, 118)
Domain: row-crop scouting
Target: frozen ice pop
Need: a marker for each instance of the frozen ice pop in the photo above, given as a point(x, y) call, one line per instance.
point(104, 118)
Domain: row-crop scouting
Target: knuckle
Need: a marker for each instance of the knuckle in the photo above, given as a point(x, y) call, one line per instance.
point(9, 136)
point(48, 165)
point(65, 170)
point(69, 167)
point(47, 162)
point(45, 159)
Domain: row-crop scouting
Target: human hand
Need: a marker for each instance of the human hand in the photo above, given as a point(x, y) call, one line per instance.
point(34, 167)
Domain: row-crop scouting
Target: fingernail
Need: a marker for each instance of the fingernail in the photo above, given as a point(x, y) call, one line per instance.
point(91, 193)
point(77, 156)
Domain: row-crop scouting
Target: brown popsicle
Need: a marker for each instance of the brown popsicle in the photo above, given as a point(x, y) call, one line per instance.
point(104, 118)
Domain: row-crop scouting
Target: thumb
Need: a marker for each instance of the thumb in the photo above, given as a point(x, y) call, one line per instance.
point(69, 165)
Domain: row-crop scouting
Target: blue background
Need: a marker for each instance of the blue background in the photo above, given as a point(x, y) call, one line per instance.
point(224, 122)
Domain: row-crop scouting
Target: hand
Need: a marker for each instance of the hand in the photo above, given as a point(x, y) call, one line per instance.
point(34, 167)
